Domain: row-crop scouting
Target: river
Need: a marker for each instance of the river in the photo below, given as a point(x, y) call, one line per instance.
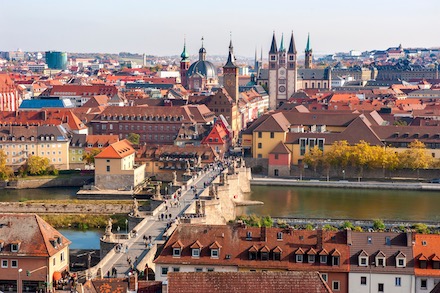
point(336, 203)
point(298, 202)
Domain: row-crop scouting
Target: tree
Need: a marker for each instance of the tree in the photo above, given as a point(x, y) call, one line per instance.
point(313, 157)
point(416, 157)
point(37, 165)
point(5, 171)
point(89, 157)
point(362, 155)
point(378, 225)
point(339, 154)
point(133, 138)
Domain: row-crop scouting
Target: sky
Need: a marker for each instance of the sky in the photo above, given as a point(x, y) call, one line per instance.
point(159, 27)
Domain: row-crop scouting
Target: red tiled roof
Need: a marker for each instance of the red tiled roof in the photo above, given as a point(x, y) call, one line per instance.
point(247, 282)
point(117, 150)
point(426, 247)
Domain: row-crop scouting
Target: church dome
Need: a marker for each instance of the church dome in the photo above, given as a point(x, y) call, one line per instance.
point(204, 68)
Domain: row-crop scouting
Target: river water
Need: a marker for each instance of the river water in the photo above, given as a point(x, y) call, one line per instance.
point(337, 203)
point(298, 202)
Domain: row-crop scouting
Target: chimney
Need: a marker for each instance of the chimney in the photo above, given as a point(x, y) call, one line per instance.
point(319, 239)
point(349, 241)
point(263, 234)
point(409, 239)
point(132, 282)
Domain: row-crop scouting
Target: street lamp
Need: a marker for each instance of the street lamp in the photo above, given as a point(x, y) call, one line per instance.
point(18, 282)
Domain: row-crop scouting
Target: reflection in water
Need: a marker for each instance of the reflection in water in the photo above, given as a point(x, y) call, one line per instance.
point(303, 202)
point(38, 193)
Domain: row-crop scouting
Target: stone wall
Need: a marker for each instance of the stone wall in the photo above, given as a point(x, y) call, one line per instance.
point(74, 181)
point(45, 208)
point(114, 182)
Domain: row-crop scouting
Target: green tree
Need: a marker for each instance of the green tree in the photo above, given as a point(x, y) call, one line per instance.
point(5, 171)
point(133, 138)
point(89, 157)
point(347, 225)
point(37, 165)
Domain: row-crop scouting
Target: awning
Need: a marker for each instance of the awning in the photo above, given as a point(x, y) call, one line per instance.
point(57, 276)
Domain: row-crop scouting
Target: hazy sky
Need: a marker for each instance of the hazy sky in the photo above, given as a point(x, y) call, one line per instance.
point(158, 27)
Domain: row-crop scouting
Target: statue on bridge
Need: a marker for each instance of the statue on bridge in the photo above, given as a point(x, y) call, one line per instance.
point(135, 208)
point(174, 178)
point(108, 228)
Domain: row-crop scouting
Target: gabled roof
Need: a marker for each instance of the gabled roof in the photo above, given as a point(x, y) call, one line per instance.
point(33, 233)
point(280, 149)
point(274, 123)
point(117, 150)
point(426, 247)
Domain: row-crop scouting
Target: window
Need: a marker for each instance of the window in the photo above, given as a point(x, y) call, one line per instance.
point(14, 247)
point(401, 262)
point(272, 135)
point(210, 269)
point(299, 258)
point(369, 240)
point(335, 286)
point(277, 256)
point(380, 287)
point(323, 259)
point(336, 260)
point(259, 156)
point(276, 156)
point(264, 255)
point(423, 284)
point(54, 261)
point(363, 261)
point(387, 241)
point(398, 281)
point(260, 134)
point(199, 270)
point(62, 257)
point(108, 168)
point(324, 277)
point(248, 235)
point(302, 146)
point(176, 269)
point(4, 263)
point(176, 252)
point(260, 145)
point(214, 253)
point(164, 271)
point(14, 263)
point(311, 258)
point(363, 280)
point(195, 252)
point(279, 236)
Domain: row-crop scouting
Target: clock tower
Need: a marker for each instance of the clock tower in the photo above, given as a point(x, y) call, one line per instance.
point(230, 75)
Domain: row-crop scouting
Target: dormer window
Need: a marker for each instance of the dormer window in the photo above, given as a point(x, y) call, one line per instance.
point(277, 253)
point(423, 261)
point(215, 250)
point(15, 247)
point(401, 260)
point(336, 256)
point(177, 248)
point(264, 253)
point(311, 255)
point(363, 259)
point(176, 252)
point(380, 259)
point(435, 262)
point(2, 244)
point(253, 252)
point(323, 256)
point(299, 255)
point(195, 249)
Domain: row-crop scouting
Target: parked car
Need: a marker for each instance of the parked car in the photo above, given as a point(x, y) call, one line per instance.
point(436, 180)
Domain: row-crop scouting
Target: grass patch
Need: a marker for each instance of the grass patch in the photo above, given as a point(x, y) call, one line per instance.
point(84, 222)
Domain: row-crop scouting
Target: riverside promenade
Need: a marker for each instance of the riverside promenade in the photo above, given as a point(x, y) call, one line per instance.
point(270, 181)
point(138, 253)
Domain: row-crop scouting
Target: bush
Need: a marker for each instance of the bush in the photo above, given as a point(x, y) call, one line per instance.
point(421, 228)
point(309, 227)
point(358, 229)
point(328, 227)
point(347, 225)
point(378, 225)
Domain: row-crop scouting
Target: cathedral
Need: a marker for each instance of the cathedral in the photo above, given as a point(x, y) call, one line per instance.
point(284, 78)
point(201, 75)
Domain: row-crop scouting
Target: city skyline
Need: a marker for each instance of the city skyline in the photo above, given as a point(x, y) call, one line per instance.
point(160, 28)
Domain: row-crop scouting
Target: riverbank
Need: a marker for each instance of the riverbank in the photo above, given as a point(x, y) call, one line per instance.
point(266, 181)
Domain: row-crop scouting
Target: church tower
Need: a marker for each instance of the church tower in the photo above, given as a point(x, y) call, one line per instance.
point(273, 74)
point(230, 75)
point(292, 69)
point(308, 52)
point(184, 65)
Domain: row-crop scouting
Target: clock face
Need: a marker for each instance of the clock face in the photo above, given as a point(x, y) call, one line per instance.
point(282, 89)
